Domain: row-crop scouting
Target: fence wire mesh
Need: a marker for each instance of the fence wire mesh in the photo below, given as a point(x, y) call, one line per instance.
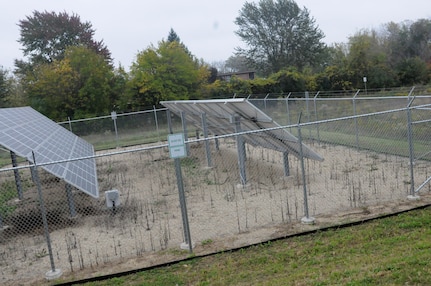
point(366, 171)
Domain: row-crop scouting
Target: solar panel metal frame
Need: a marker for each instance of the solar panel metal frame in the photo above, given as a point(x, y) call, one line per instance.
point(220, 114)
point(25, 131)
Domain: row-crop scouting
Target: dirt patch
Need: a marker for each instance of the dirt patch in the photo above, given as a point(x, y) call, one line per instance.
point(146, 229)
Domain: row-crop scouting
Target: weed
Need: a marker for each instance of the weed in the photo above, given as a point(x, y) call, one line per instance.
point(207, 242)
point(41, 253)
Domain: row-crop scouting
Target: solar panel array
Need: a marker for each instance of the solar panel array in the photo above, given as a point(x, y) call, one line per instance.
point(25, 131)
point(220, 115)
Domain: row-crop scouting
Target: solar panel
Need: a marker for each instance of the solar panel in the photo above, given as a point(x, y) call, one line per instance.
point(24, 130)
point(219, 117)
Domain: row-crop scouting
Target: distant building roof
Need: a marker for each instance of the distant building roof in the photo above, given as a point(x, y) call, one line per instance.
point(242, 75)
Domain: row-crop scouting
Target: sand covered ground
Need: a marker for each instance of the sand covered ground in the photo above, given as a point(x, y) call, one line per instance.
point(146, 229)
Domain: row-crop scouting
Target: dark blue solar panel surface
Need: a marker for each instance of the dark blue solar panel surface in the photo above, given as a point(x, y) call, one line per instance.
point(25, 131)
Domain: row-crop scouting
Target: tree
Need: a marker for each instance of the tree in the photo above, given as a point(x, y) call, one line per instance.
point(237, 63)
point(279, 35)
point(45, 36)
point(118, 83)
point(173, 37)
point(288, 80)
point(5, 87)
point(77, 86)
point(92, 97)
point(412, 71)
point(359, 58)
point(212, 74)
point(369, 57)
point(420, 43)
point(334, 78)
point(51, 89)
point(164, 73)
point(396, 42)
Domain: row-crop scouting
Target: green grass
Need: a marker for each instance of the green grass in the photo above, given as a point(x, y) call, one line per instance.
point(389, 251)
point(100, 142)
point(8, 191)
point(391, 146)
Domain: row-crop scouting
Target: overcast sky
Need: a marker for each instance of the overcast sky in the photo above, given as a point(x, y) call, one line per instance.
point(206, 27)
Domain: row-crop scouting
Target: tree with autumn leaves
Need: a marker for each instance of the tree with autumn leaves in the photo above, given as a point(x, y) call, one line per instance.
point(67, 73)
point(45, 36)
point(78, 85)
point(165, 72)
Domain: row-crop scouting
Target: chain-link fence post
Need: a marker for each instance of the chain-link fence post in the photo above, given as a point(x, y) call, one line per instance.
point(307, 219)
point(356, 119)
point(316, 116)
point(54, 273)
point(157, 123)
point(412, 195)
point(287, 108)
point(114, 119)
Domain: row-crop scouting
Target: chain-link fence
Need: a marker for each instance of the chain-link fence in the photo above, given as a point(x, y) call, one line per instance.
point(373, 163)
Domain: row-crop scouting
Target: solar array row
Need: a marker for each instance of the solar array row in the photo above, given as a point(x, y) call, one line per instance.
point(26, 132)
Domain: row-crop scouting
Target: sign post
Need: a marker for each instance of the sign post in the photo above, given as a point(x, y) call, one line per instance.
point(177, 150)
point(114, 118)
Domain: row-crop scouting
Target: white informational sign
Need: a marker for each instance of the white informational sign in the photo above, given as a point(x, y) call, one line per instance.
point(113, 115)
point(177, 148)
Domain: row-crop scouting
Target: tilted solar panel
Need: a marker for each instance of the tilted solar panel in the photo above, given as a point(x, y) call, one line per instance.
point(219, 115)
point(25, 131)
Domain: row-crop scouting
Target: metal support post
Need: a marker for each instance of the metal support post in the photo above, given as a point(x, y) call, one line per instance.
point(307, 105)
point(286, 164)
point(287, 108)
point(186, 227)
point(70, 124)
point(207, 143)
point(53, 273)
point(184, 125)
point(413, 195)
point(241, 151)
point(157, 123)
point(316, 116)
point(114, 119)
point(17, 175)
point(70, 200)
point(307, 219)
point(168, 117)
point(356, 119)
point(182, 197)
point(216, 142)
point(264, 101)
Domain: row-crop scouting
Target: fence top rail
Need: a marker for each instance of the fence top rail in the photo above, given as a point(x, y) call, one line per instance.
point(367, 93)
point(403, 97)
point(161, 145)
point(110, 116)
point(315, 96)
